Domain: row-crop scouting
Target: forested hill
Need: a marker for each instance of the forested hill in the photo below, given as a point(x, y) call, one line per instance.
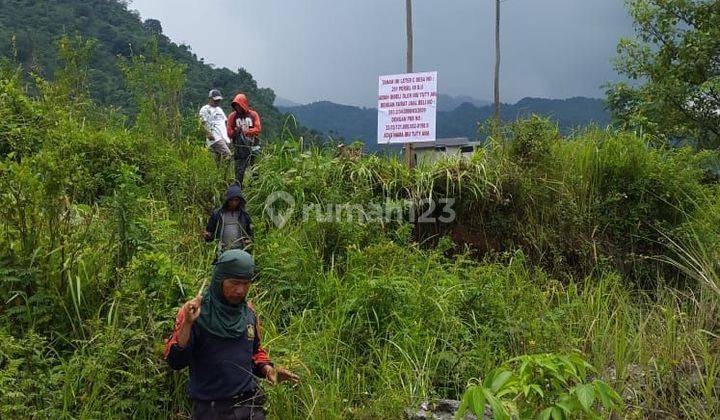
point(353, 123)
point(119, 32)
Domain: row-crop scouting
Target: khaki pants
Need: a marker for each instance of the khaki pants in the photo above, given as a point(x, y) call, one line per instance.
point(220, 148)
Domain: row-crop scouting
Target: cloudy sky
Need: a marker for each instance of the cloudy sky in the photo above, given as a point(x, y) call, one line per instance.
point(309, 50)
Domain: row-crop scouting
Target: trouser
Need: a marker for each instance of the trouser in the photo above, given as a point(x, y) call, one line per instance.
point(220, 149)
point(221, 153)
point(242, 162)
point(241, 166)
point(241, 408)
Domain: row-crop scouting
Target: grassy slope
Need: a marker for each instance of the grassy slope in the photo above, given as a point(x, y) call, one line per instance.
point(99, 238)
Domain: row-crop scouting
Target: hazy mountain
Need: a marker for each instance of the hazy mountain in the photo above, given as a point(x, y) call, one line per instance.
point(448, 103)
point(335, 120)
point(284, 102)
point(355, 123)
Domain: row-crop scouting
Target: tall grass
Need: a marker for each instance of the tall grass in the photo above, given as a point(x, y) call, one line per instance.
point(598, 242)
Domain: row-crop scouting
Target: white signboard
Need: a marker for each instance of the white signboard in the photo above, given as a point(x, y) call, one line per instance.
point(407, 107)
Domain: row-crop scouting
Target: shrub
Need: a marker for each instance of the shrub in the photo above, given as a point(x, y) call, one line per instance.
point(543, 386)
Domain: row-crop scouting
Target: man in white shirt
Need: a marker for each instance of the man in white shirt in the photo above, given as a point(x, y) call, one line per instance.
point(215, 122)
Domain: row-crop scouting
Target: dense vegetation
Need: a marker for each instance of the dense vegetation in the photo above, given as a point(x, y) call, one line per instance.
point(578, 279)
point(32, 30)
point(355, 123)
point(675, 64)
point(599, 249)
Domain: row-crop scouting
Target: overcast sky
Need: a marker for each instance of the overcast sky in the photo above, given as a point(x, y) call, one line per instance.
point(309, 50)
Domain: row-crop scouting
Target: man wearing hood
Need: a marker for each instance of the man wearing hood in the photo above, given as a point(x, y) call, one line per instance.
point(217, 335)
point(243, 127)
point(230, 224)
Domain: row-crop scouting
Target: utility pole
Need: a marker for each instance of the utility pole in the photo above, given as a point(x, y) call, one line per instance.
point(409, 66)
point(497, 64)
point(409, 26)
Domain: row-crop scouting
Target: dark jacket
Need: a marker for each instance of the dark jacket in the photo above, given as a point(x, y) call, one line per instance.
point(214, 224)
point(220, 368)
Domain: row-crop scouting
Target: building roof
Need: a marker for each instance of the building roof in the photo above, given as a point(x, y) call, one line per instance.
point(449, 142)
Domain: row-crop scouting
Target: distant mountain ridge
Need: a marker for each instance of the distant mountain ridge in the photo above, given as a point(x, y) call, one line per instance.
point(284, 102)
point(447, 103)
point(336, 120)
point(356, 123)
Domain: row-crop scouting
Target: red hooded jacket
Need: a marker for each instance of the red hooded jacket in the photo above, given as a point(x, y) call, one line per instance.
point(232, 122)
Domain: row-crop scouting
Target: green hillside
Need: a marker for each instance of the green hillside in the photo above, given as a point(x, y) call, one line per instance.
point(550, 274)
point(590, 259)
point(38, 25)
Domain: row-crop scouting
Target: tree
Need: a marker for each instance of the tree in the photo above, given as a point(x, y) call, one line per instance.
point(675, 64)
point(156, 81)
point(152, 27)
point(115, 31)
point(72, 81)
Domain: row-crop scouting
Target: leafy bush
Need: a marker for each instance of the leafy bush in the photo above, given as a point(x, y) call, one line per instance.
point(532, 139)
point(99, 246)
point(22, 126)
point(543, 386)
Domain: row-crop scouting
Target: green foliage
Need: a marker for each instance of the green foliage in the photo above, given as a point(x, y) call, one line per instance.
point(543, 386)
point(532, 139)
point(697, 247)
point(675, 61)
point(21, 125)
point(99, 246)
point(72, 79)
point(115, 30)
point(600, 198)
point(155, 82)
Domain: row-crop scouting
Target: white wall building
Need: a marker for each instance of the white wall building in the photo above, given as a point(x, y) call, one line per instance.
point(431, 151)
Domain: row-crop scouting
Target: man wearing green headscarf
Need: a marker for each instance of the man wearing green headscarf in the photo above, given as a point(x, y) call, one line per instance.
point(217, 335)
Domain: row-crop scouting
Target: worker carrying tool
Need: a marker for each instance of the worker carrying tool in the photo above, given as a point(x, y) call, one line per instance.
point(217, 335)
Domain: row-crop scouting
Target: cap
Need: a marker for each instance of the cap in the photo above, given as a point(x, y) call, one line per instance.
point(215, 95)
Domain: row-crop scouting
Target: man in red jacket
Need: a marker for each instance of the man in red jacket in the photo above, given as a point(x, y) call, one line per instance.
point(243, 128)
